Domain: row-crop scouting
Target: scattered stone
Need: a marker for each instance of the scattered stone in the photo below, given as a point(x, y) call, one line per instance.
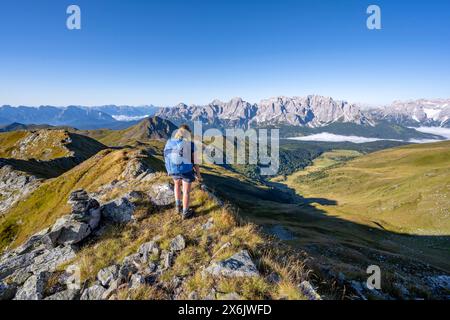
point(439, 283)
point(84, 208)
point(7, 291)
point(178, 243)
point(113, 286)
point(93, 293)
point(208, 225)
point(308, 291)
point(129, 267)
point(136, 281)
point(151, 267)
point(166, 259)
point(66, 295)
point(33, 288)
point(67, 231)
point(163, 194)
point(118, 211)
point(193, 295)
point(274, 278)
point(239, 265)
point(107, 275)
point(49, 260)
point(148, 249)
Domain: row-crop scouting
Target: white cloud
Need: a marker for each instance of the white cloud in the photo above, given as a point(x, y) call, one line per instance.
point(330, 137)
point(128, 118)
point(444, 132)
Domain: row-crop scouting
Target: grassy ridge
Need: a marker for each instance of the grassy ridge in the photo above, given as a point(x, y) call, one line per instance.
point(404, 190)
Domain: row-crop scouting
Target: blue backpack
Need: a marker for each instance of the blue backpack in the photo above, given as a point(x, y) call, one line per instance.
point(177, 156)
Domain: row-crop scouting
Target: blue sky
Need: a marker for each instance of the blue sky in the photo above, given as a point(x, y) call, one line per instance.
point(168, 51)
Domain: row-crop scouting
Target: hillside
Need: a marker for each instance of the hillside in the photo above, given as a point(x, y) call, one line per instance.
point(132, 244)
point(404, 190)
point(339, 246)
point(152, 128)
point(46, 145)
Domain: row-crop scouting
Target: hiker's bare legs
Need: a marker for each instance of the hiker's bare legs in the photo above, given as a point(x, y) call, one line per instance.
point(177, 191)
point(186, 195)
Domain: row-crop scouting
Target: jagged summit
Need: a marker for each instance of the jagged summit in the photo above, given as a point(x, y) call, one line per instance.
point(311, 111)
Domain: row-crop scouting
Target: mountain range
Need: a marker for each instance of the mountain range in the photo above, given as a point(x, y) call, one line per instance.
point(303, 112)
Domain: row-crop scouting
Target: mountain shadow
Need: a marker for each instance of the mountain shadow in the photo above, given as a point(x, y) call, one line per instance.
point(337, 249)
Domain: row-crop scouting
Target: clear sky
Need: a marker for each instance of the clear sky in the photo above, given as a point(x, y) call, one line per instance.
point(167, 51)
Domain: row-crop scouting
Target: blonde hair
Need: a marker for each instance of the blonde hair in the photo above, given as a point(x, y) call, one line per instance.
point(183, 132)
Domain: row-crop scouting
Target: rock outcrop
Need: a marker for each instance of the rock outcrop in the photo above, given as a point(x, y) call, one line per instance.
point(239, 265)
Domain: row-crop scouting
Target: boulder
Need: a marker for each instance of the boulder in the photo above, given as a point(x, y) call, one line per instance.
point(7, 291)
point(67, 231)
point(208, 225)
point(50, 260)
point(12, 264)
point(93, 293)
point(167, 259)
point(136, 281)
point(308, 291)
point(129, 267)
point(239, 265)
point(66, 295)
point(162, 194)
point(178, 243)
point(147, 249)
point(33, 288)
point(84, 208)
point(107, 275)
point(118, 211)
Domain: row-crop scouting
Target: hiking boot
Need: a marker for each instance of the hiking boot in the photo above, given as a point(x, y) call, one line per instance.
point(187, 214)
point(179, 209)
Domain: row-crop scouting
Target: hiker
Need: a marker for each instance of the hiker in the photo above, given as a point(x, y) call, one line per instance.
point(181, 165)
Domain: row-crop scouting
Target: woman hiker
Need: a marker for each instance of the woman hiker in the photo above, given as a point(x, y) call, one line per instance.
point(182, 166)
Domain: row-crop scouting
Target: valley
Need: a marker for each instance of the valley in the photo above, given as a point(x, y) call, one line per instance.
point(334, 209)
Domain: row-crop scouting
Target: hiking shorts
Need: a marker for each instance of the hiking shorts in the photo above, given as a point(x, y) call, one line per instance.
point(186, 177)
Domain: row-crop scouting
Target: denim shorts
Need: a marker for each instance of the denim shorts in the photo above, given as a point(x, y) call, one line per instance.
point(186, 177)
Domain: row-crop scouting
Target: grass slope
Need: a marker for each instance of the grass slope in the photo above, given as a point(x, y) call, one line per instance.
point(403, 190)
point(46, 153)
point(149, 129)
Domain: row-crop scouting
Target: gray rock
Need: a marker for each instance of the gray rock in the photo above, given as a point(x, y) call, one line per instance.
point(162, 194)
point(308, 291)
point(178, 243)
point(147, 249)
point(239, 265)
point(7, 291)
point(274, 278)
point(93, 293)
point(439, 283)
point(113, 286)
point(12, 264)
point(151, 267)
point(67, 231)
point(130, 266)
point(50, 260)
point(193, 295)
point(84, 208)
point(66, 295)
point(359, 289)
point(118, 211)
point(208, 225)
point(107, 275)
point(33, 288)
point(167, 259)
point(136, 281)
